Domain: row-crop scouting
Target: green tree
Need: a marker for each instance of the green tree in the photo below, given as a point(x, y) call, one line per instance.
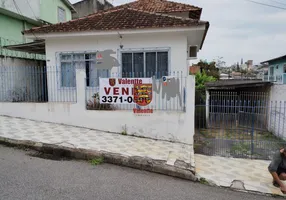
point(209, 68)
point(202, 79)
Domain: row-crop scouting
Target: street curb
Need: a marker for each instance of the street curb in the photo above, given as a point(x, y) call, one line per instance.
point(237, 189)
point(142, 163)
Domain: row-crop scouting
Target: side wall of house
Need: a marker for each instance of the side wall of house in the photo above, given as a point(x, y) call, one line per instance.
point(49, 10)
point(277, 110)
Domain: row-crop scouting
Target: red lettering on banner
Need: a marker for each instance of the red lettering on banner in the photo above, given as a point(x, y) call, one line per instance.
point(130, 81)
point(107, 91)
point(116, 91)
point(135, 110)
point(125, 91)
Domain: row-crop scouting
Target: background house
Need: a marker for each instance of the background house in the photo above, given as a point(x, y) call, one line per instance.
point(19, 15)
point(87, 7)
point(276, 70)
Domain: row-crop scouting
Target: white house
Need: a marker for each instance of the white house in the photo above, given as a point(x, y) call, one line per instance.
point(146, 40)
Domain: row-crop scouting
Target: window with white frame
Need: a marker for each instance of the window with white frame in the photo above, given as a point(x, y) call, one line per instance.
point(145, 64)
point(70, 61)
point(61, 14)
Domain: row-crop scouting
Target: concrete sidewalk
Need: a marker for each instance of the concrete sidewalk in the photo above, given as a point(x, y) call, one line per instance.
point(174, 158)
point(244, 174)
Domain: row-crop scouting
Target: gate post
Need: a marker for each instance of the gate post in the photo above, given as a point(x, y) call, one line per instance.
point(81, 88)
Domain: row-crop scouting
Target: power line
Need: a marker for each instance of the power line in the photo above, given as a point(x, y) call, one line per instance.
point(278, 2)
point(31, 9)
point(22, 16)
point(266, 4)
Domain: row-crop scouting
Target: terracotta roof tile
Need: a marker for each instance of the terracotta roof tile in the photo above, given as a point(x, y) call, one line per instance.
point(159, 6)
point(164, 6)
point(118, 19)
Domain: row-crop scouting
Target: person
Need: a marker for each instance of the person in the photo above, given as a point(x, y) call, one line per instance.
point(277, 169)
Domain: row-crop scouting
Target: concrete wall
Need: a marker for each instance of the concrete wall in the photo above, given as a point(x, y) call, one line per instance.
point(13, 62)
point(88, 7)
point(176, 44)
point(171, 126)
point(277, 110)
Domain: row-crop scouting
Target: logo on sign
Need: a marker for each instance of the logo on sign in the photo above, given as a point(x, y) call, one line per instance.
point(99, 56)
point(142, 94)
point(112, 82)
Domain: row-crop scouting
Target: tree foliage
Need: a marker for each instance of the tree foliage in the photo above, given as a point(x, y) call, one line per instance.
point(202, 78)
point(209, 68)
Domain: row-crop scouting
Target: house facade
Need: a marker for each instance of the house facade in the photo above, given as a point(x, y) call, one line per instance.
point(20, 15)
point(145, 43)
point(276, 70)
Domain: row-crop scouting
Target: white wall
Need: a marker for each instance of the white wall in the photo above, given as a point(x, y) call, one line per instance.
point(278, 93)
point(176, 43)
point(171, 126)
point(277, 110)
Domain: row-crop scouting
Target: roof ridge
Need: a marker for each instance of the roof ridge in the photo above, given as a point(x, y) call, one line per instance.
point(167, 1)
point(160, 14)
point(181, 3)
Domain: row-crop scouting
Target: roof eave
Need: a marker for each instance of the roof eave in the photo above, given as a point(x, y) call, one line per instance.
point(33, 35)
point(205, 34)
point(274, 59)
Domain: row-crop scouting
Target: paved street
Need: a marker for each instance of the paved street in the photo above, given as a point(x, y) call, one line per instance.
point(23, 176)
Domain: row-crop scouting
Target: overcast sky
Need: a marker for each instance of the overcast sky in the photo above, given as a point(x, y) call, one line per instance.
point(240, 29)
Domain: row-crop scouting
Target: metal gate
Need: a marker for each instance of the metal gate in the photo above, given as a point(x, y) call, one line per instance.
point(240, 126)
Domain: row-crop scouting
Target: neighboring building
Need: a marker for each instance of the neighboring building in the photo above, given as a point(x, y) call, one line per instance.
point(20, 15)
point(249, 64)
point(144, 41)
point(261, 71)
point(223, 76)
point(87, 7)
point(276, 70)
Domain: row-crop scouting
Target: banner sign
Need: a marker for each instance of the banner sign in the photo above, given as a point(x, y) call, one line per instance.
point(125, 90)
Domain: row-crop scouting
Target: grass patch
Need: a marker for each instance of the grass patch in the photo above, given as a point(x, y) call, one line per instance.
point(207, 133)
point(240, 148)
point(270, 137)
point(123, 133)
point(97, 161)
point(204, 181)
